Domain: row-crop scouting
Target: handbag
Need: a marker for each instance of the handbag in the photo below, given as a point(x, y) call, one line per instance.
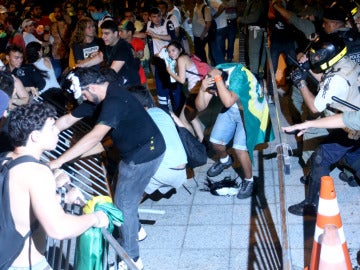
point(195, 150)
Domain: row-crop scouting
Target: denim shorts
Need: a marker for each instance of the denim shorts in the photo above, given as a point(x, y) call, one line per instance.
point(229, 125)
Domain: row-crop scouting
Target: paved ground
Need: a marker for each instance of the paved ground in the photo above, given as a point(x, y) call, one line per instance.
point(202, 231)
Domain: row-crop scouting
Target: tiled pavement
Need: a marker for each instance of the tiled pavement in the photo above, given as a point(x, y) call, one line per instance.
point(203, 231)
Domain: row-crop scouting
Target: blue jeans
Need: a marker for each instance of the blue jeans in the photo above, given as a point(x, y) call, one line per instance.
point(166, 96)
point(231, 36)
point(132, 180)
point(327, 155)
point(228, 126)
point(218, 49)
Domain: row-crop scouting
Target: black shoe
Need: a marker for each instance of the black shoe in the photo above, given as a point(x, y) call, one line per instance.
point(218, 167)
point(348, 179)
point(303, 209)
point(305, 179)
point(246, 189)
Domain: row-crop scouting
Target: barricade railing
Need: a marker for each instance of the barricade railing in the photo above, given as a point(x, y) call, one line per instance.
point(283, 161)
point(89, 175)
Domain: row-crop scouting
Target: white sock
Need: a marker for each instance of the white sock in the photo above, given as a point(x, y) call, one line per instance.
point(225, 159)
point(250, 179)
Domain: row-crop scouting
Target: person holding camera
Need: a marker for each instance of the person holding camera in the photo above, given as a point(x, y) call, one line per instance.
point(228, 126)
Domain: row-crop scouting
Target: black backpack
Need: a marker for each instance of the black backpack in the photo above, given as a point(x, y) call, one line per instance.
point(12, 242)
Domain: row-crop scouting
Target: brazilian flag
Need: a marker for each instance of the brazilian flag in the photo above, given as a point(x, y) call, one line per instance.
point(256, 110)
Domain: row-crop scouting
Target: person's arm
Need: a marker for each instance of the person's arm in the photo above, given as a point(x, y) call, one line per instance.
point(117, 65)
point(93, 59)
point(228, 98)
point(282, 11)
point(85, 144)
point(181, 65)
point(157, 36)
point(66, 121)
point(334, 121)
point(20, 95)
point(204, 96)
point(309, 98)
point(44, 202)
point(220, 10)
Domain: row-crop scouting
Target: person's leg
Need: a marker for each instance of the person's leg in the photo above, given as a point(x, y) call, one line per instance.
point(218, 46)
point(239, 145)
point(232, 31)
point(254, 50)
point(223, 131)
point(199, 46)
point(177, 98)
point(162, 93)
point(132, 180)
point(321, 161)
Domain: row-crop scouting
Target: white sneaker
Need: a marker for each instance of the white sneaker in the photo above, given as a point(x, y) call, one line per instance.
point(142, 234)
point(123, 266)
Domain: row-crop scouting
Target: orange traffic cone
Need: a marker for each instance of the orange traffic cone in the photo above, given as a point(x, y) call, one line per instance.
point(328, 213)
point(331, 254)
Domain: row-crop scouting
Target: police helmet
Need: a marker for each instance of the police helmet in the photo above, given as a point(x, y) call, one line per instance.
point(325, 52)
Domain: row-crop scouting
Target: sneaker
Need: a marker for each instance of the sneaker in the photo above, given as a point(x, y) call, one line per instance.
point(246, 189)
point(218, 167)
point(303, 209)
point(123, 266)
point(142, 234)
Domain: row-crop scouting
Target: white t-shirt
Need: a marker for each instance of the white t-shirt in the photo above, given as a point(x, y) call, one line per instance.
point(332, 86)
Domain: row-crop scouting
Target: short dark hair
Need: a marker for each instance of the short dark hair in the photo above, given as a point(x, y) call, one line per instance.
point(154, 10)
point(6, 82)
point(27, 118)
point(14, 48)
point(89, 75)
point(109, 24)
point(163, 3)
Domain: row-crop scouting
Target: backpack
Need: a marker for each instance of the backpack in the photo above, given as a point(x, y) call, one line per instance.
point(202, 68)
point(12, 242)
point(213, 26)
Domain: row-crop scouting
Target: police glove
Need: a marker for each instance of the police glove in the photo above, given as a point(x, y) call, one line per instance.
point(297, 76)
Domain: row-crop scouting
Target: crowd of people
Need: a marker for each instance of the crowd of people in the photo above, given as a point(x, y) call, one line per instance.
point(107, 53)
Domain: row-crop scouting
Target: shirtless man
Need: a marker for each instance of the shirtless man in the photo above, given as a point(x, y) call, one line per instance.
point(32, 186)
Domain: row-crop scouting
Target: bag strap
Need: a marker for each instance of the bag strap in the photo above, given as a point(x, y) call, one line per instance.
point(194, 73)
point(14, 162)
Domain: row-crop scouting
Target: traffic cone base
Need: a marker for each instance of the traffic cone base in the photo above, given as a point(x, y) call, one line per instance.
point(328, 213)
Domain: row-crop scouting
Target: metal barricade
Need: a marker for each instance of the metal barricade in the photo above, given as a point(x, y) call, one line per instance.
point(89, 175)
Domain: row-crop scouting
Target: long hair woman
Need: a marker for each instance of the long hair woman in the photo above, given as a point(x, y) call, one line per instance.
point(52, 91)
point(85, 46)
point(184, 63)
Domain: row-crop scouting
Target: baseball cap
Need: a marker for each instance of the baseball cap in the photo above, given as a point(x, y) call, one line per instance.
point(26, 22)
point(335, 13)
point(4, 102)
point(127, 25)
point(3, 9)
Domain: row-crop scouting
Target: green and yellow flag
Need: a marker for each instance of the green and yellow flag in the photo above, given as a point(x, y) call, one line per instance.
point(256, 110)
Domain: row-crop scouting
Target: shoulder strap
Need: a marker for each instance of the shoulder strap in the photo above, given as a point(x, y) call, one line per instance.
point(194, 73)
point(12, 163)
point(203, 10)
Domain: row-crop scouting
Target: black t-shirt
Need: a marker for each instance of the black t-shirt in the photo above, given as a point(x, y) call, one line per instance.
point(133, 131)
point(82, 51)
point(30, 76)
point(122, 51)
